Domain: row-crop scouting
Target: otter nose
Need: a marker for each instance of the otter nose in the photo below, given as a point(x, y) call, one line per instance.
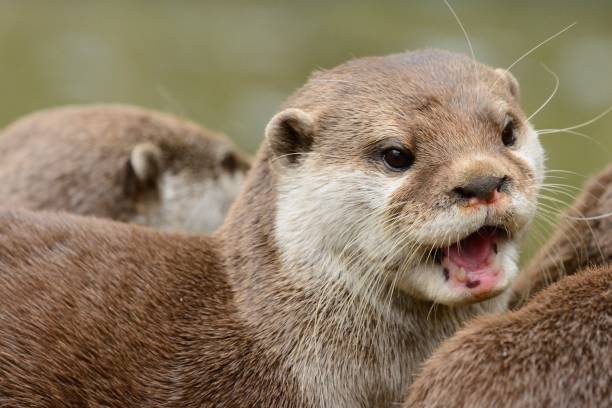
point(482, 188)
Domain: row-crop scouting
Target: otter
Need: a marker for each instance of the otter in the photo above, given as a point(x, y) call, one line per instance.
point(120, 162)
point(582, 238)
point(384, 208)
point(555, 349)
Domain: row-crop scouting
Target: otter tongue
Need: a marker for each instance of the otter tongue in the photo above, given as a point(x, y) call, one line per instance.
point(472, 252)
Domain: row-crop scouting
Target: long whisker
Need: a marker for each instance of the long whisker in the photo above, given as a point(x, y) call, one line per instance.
point(578, 126)
point(592, 218)
point(552, 95)
point(552, 37)
point(584, 136)
point(465, 34)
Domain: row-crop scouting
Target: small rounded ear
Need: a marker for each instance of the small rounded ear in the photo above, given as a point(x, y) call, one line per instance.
point(290, 134)
point(233, 162)
point(142, 168)
point(509, 80)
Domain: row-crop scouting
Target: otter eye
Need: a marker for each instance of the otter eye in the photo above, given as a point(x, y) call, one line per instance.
point(509, 132)
point(397, 159)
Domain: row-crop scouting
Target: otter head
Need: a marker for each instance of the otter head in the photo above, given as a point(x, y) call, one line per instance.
point(120, 162)
point(416, 171)
point(180, 185)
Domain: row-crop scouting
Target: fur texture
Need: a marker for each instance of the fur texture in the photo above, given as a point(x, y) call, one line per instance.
point(577, 242)
point(120, 162)
point(311, 293)
point(554, 352)
point(103, 314)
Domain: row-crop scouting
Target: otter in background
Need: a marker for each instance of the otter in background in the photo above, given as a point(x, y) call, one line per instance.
point(120, 162)
point(556, 350)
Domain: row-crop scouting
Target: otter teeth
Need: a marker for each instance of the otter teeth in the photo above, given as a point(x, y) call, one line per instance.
point(461, 275)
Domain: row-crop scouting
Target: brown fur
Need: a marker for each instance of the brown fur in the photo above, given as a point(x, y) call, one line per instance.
point(575, 244)
point(77, 159)
point(554, 352)
point(104, 314)
point(100, 314)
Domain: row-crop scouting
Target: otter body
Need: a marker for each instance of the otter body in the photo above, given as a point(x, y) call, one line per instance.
point(336, 272)
point(120, 162)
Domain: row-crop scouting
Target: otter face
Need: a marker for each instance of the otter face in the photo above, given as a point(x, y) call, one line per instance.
point(415, 170)
point(184, 192)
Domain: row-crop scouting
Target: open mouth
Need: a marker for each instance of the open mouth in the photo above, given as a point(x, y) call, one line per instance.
point(471, 262)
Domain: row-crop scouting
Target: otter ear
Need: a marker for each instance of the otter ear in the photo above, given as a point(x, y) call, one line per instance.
point(143, 168)
point(290, 134)
point(510, 81)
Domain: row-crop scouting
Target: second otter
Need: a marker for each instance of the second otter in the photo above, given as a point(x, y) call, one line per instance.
point(385, 207)
point(120, 162)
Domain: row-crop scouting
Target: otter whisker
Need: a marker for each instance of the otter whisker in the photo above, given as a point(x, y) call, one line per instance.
point(551, 218)
point(542, 239)
point(172, 102)
point(465, 34)
point(581, 134)
point(551, 96)
point(578, 126)
point(591, 218)
point(554, 253)
point(552, 37)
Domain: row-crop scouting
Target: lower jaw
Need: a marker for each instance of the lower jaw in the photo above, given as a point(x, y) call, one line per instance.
point(427, 283)
point(494, 300)
point(490, 286)
point(471, 281)
point(473, 263)
point(451, 297)
point(469, 297)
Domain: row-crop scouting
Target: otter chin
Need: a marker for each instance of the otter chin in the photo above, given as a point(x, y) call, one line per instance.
point(475, 267)
point(478, 266)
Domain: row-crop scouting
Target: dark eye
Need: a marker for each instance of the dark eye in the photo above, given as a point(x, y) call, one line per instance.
point(397, 159)
point(509, 133)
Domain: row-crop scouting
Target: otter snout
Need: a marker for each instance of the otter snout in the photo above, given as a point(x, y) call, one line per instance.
point(483, 188)
point(479, 180)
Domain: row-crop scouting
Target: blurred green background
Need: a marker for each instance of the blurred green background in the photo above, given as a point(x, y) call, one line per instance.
point(229, 64)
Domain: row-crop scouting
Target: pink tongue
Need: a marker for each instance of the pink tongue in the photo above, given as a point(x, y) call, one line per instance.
point(472, 252)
